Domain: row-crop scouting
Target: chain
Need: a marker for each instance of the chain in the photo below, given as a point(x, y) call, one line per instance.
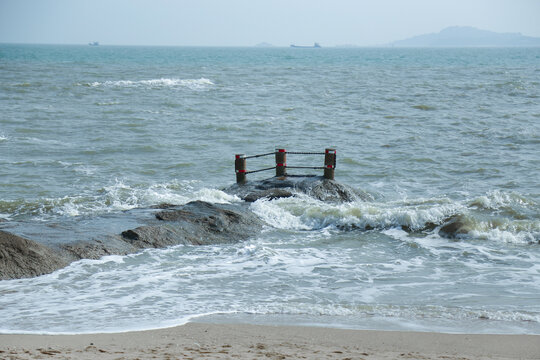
point(305, 153)
point(254, 171)
point(256, 156)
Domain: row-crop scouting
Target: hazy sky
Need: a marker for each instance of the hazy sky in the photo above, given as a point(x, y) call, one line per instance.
point(248, 22)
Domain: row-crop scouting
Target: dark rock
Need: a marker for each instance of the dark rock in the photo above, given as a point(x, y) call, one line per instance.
point(95, 249)
point(196, 223)
point(270, 194)
point(20, 258)
point(355, 227)
point(162, 206)
point(315, 186)
point(453, 227)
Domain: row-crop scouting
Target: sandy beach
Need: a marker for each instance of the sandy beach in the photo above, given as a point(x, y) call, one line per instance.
point(238, 341)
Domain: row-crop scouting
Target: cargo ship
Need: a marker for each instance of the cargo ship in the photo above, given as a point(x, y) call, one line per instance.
point(316, 45)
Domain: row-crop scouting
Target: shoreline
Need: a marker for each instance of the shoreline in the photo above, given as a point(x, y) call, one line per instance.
point(243, 341)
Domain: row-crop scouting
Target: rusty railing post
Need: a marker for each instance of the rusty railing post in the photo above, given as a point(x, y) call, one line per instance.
point(329, 163)
point(240, 168)
point(281, 162)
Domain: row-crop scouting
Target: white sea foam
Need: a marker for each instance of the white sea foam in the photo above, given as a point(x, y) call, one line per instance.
point(120, 196)
point(140, 291)
point(508, 235)
point(214, 196)
point(303, 212)
point(274, 214)
point(194, 84)
point(3, 137)
point(496, 200)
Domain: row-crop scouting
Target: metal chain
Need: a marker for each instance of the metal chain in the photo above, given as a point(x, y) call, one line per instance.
point(286, 152)
point(304, 153)
point(256, 156)
point(254, 171)
point(290, 167)
point(305, 167)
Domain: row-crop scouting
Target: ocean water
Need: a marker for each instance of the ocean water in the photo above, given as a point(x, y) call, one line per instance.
point(87, 133)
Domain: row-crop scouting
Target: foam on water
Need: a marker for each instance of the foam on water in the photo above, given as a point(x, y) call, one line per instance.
point(352, 282)
point(305, 213)
point(118, 196)
point(194, 84)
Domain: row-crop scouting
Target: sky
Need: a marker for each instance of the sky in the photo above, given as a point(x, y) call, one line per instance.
point(250, 22)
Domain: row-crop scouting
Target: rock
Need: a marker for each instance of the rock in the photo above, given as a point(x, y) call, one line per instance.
point(162, 206)
point(95, 249)
point(21, 258)
point(453, 227)
point(196, 223)
point(270, 194)
point(315, 186)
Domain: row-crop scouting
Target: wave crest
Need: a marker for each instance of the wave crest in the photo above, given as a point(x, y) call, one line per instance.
point(194, 84)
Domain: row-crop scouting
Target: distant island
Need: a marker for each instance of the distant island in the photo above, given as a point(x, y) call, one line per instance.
point(264, 44)
point(467, 36)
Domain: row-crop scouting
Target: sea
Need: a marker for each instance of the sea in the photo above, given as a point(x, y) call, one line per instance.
point(91, 134)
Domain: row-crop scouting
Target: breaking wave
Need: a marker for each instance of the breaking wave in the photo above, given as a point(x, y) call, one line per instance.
point(194, 84)
point(113, 198)
point(448, 218)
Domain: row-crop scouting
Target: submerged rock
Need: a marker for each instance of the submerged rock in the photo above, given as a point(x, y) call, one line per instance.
point(453, 227)
point(277, 187)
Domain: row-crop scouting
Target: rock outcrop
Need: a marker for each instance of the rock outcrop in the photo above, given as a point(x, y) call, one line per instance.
point(196, 223)
point(20, 257)
point(314, 186)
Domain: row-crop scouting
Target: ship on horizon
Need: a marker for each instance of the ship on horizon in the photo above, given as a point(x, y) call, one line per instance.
point(314, 46)
point(94, 43)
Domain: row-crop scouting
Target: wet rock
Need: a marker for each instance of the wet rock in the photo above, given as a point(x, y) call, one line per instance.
point(315, 186)
point(196, 223)
point(270, 194)
point(453, 227)
point(21, 258)
point(355, 227)
point(96, 249)
point(162, 206)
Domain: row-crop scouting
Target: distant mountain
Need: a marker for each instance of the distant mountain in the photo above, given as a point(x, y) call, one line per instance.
point(466, 36)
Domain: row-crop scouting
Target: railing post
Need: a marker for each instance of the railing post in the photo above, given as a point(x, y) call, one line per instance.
point(281, 162)
point(329, 163)
point(240, 168)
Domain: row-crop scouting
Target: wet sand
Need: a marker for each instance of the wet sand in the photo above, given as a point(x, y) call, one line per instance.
point(238, 341)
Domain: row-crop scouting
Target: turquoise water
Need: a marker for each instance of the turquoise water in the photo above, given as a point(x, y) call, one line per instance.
point(89, 132)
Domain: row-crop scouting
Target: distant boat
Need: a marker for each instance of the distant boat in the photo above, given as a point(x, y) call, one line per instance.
point(316, 45)
point(93, 43)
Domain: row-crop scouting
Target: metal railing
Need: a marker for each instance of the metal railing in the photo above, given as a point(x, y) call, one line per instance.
point(281, 163)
